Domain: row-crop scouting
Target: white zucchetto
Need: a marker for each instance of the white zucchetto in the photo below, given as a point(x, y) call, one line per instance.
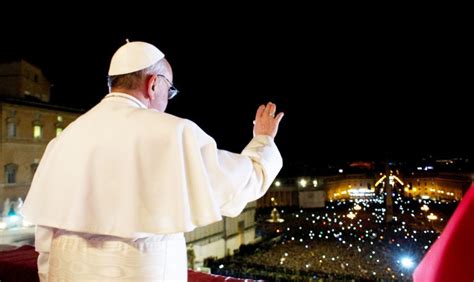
point(134, 56)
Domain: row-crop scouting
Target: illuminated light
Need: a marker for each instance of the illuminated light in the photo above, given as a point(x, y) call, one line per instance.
point(351, 215)
point(37, 131)
point(303, 182)
point(380, 180)
point(221, 266)
point(272, 199)
point(357, 207)
point(407, 262)
point(3, 225)
point(14, 218)
point(397, 179)
point(425, 197)
point(425, 208)
point(315, 183)
point(277, 183)
point(341, 170)
point(432, 216)
point(360, 192)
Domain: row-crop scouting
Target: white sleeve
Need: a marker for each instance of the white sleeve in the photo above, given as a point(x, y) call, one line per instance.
point(266, 162)
point(43, 238)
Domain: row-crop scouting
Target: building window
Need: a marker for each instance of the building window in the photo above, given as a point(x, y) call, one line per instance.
point(11, 129)
point(37, 131)
point(10, 173)
point(59, 125)
point(12, 123)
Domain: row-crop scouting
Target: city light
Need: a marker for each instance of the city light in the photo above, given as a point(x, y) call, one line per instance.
point(351, 215)
point(407, 262)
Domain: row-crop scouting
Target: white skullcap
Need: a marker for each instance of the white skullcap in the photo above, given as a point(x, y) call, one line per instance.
point(134, 56)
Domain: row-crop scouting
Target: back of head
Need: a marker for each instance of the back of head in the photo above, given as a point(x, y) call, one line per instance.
point(131, 62)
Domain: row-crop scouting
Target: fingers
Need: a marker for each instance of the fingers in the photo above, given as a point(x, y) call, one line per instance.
point(260, 111)
point(266, 123)
point(279, 117)
point(266, 110)
point(269, 109)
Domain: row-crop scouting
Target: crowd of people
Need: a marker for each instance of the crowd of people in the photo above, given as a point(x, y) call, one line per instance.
point(325, 243)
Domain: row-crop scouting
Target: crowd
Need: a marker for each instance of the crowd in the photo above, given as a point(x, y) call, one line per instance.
point(326, 243)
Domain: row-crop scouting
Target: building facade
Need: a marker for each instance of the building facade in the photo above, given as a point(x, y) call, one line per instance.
point(432, 185)
point(222, 238)
point(28, 123)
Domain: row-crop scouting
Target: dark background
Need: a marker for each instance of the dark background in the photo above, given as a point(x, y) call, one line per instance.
point(359, 84)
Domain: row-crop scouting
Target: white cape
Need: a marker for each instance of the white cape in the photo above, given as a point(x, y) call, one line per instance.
point(123, 170)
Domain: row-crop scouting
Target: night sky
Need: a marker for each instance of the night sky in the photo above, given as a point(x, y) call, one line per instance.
point(352, 88)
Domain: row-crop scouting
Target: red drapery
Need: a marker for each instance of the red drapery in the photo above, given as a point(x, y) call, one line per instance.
point(451, 257)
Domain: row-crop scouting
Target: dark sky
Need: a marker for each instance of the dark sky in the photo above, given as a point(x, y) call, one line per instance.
point(358, 88)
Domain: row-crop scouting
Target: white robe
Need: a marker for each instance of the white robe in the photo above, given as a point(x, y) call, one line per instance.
point(126, 171)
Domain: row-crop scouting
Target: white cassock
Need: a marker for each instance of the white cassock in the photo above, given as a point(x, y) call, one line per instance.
point(115, 191)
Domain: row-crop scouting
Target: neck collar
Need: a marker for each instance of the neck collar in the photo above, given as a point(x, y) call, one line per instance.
point(132, 100)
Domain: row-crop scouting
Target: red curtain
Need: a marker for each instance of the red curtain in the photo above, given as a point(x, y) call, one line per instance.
point(451, 257)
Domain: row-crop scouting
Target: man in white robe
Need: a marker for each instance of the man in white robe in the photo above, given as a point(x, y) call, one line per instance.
point(115, 191)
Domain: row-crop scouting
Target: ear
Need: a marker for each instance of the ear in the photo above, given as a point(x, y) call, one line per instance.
point(150, 87)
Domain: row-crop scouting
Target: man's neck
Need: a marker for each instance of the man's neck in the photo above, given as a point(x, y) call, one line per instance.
point(134, 93)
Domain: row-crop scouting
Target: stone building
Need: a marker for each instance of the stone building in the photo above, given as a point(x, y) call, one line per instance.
point(28, 123)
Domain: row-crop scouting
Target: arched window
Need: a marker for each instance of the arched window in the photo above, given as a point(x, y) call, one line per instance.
point(12, 123)
point(59, 125)
point(37, 127)
point(10, 173)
